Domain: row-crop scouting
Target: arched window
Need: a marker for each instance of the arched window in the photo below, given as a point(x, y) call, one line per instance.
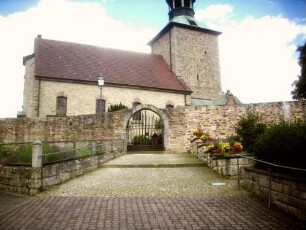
point(137, 116)
point(100, 106)
point(169, 106)
point(136, 103)
point(61, 106)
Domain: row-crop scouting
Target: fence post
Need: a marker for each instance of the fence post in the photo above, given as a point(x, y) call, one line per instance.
point(270, 187)
point(238, 173)
point(37, 154)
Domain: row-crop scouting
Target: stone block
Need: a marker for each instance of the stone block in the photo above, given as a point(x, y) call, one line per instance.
point(35, 173)
point(64, 177)
point(33, 184)
point(51, 181)
point(50, 171)
point(33, 192)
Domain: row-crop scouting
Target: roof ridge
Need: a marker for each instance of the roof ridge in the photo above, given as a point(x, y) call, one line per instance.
point(89, 45)
point(81, 62)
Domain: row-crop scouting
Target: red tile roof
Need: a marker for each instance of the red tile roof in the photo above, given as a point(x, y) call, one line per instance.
point(72, 61)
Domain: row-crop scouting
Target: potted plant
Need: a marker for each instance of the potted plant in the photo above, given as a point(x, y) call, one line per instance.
point(204, 137)
point(214, 148)
point(235, 147)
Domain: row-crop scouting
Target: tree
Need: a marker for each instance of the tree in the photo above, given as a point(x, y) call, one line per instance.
point(248, 129)
point(300, 85)
point(116, 107)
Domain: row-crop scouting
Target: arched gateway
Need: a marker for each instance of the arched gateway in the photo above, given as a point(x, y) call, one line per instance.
point(145, 129)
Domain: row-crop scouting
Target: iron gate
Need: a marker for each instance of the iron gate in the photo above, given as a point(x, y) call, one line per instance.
point(145, 131)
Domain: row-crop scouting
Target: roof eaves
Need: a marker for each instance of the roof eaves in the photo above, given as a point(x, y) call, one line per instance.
point(71, 80)
point(171, 24)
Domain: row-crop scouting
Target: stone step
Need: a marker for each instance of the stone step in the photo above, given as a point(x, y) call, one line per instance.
point(153, 160)
point(153, 165)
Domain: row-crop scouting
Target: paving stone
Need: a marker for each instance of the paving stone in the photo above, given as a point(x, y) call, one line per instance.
point(144, 198)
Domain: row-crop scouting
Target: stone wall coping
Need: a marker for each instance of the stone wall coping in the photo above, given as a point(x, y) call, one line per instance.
point(275, 174)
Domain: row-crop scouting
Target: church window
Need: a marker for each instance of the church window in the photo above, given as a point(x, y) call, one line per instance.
point(100, 106)
point(136, 103)
point(137, 116)
point(61, 106)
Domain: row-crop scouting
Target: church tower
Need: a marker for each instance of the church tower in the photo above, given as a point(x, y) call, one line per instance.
point(190, 49)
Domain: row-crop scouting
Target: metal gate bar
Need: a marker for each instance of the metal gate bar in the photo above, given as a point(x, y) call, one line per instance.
point(145, 132)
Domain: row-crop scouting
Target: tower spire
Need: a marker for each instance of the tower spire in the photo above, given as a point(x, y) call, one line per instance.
point(180, 8)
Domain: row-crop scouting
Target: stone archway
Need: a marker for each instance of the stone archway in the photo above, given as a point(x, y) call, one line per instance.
point(146, 129)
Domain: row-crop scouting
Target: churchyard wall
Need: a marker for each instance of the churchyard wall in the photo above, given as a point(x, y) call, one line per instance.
point(218, 121)
point(285, 192)
point(32, 180)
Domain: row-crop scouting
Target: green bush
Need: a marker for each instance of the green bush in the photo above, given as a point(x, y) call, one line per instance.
point(141, 139)
point(20, 154)
point(248, 129)
point(283, 144)
point(82, 153)
point(5, 152)
point(116, 107)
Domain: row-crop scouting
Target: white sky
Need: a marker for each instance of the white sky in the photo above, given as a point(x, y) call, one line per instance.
point(258, 58)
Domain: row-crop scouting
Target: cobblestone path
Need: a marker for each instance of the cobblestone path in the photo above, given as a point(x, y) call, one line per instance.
point(144, 191)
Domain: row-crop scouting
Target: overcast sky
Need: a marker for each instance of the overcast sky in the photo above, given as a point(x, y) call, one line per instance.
point(257, 48)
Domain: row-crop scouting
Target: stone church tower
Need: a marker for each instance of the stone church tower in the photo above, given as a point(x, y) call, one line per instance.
point(190, 50)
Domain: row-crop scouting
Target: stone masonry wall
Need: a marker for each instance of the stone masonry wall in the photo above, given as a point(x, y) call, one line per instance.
point(107, 126)
point(220, 121)
point(225, 166)
point(31, 181)
point(85, 102)
point(287, 193)
point(195, 58)
point(31, 92)
point(162, 47)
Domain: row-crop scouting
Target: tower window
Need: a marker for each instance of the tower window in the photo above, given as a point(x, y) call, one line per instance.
point(187, 3)
point(178, 3)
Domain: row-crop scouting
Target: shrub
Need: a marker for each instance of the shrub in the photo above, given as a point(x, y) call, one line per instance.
point(283, 144)
point(141, 139)
point(116, 107)
point(82, 153)
point(20, 154)
point(248, 130)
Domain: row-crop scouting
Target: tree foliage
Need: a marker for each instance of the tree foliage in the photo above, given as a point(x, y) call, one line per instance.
point(283, 144)
point(116, 107)
point(248, 129)
point(299, 91)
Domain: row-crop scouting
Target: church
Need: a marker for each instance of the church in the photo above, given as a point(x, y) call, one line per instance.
point(66, 79)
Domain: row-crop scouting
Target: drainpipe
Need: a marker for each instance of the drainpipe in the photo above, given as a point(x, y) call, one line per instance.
point(38, 99)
